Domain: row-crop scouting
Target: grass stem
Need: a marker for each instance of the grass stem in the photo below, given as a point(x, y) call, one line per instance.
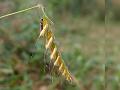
point(24, 10)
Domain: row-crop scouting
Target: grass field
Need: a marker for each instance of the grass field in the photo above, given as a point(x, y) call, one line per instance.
point(89, 43)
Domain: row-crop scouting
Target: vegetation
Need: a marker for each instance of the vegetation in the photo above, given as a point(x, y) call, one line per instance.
point(87, 37)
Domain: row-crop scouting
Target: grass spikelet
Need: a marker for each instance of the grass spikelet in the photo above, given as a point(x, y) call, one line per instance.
point(55, 53)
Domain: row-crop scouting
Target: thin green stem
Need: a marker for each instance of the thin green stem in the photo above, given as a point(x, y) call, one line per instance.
point(37, 6)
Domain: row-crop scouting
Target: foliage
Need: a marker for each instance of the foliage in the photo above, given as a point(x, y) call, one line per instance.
point(80, 36)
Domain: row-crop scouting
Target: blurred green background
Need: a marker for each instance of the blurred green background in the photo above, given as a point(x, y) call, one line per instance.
point(87, 33)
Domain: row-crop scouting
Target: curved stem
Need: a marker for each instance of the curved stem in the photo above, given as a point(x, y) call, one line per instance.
point(24, 10)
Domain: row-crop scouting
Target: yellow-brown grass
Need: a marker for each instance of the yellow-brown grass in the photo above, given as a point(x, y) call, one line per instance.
point(54, 52)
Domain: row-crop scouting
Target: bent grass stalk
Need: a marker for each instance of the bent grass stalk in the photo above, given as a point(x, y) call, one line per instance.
point(21, 11)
